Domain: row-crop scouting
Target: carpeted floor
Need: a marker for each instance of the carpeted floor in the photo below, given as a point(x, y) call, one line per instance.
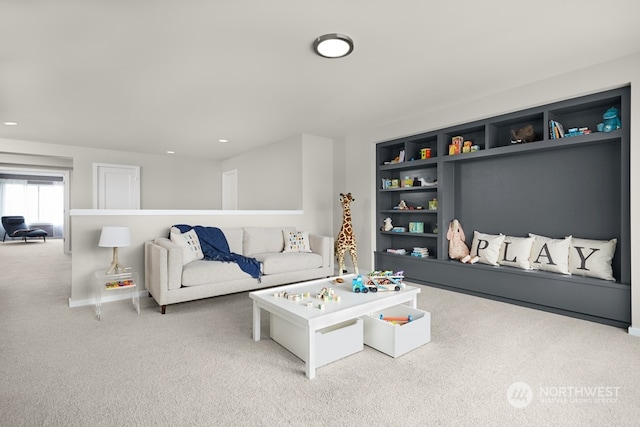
point(197, 365)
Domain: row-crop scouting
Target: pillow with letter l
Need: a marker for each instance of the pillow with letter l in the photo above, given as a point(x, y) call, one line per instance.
point(515, 252)
point(592, 258)
point(487, 247)
point(549, 254)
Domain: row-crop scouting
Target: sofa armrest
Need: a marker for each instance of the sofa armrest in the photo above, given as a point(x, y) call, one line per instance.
point(323, 246)
point(163, 267)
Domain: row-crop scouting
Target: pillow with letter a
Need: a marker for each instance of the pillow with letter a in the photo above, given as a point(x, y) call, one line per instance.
point(549, 254)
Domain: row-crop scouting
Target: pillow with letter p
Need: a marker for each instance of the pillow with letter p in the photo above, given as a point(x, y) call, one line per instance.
point(486, 247)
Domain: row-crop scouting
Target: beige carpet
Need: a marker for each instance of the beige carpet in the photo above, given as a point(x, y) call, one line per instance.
point(197, 365)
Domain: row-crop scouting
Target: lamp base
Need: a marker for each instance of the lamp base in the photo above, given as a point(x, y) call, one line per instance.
point(116, 267)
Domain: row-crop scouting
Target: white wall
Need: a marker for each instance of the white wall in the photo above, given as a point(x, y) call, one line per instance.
point(360, 147)
point(269, 177)
point(315, 180)
point(167, 182)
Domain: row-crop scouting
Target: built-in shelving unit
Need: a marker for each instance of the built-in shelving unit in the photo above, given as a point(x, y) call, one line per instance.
point(575, 185)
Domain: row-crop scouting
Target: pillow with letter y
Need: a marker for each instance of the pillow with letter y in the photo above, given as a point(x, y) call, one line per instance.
point(592, 258)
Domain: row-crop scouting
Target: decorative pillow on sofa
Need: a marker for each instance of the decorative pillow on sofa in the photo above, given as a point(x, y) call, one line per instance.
point(189, 243)
point(592, 258)
point(550, 254)
point(296, 241)
point(486, 247)
point(515, 252)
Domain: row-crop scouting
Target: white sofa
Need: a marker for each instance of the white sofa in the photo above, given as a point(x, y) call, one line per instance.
point(169, 281)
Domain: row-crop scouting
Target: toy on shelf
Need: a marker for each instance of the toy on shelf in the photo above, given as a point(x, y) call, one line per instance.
point(424, 183)
point(386, 280)
point(611, 121)
point(458, 249)
point(119, 284)
point(401, 206)
point(388, 226)
point(327, 294)
point(525, 134)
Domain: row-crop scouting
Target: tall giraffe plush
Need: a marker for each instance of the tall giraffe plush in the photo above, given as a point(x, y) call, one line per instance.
point(346, 241)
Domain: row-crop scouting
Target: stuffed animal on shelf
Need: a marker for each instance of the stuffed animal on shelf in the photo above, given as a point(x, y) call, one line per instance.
point(458, 249)
point(388, 226)
point(525, 134)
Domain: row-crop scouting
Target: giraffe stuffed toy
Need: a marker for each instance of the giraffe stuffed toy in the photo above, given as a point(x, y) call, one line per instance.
point(346, 241)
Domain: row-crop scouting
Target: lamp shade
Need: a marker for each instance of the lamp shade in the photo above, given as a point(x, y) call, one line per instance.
point(114, 237)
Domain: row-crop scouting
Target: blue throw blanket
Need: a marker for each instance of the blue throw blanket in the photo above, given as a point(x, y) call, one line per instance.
point(216, 248)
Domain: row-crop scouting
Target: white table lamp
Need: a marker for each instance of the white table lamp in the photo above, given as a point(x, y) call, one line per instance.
point(115, 237)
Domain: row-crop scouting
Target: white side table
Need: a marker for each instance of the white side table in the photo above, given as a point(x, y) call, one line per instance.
point(113, 284)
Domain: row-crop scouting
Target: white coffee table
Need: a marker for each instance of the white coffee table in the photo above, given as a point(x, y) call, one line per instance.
point(311, 319)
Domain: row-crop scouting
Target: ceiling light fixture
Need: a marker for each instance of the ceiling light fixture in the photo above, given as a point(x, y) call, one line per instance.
point(10, 124)
point(171, 152)
point(223, 140)
point(333, 45)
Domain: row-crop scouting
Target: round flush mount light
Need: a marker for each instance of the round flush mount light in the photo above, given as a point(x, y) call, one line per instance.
point(333, 46)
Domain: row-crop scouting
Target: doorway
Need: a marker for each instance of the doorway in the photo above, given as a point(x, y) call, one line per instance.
point(41, 196)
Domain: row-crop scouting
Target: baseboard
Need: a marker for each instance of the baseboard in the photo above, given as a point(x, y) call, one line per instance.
point(92, 301)
point(634, 331)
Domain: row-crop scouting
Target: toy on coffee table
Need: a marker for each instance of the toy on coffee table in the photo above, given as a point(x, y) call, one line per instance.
point(386, 280)
point(358, 285)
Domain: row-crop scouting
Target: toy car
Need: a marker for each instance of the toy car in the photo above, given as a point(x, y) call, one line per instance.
point(386, 280)
point(358, 286)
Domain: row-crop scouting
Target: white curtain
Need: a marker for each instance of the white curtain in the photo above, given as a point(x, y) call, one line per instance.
point(37, 201)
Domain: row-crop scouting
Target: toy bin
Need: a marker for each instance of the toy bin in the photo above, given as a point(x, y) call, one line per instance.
point(395, 339)
point(332, 343)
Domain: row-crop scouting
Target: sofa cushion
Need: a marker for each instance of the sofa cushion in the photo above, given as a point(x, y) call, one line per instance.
point(284, 262)
point(234, 239)
point(259, 240)
point(201, 272)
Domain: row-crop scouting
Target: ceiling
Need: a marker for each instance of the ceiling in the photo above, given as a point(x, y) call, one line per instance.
point(157, 75)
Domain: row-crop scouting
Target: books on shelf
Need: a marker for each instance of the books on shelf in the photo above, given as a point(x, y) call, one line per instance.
point(556, 130)
point(420, 252)
point(400, 251)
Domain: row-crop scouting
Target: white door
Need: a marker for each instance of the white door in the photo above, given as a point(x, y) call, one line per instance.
point(230, 190)
point(116, 186)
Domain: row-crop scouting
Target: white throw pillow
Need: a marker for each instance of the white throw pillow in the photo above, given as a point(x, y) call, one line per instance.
point(515, 252)
point(592, 258)
point(189, 243)
point(487, 247)
point(296, 241)
point(550, 254)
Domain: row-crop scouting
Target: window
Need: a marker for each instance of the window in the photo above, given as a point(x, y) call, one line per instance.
point(39, 201)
